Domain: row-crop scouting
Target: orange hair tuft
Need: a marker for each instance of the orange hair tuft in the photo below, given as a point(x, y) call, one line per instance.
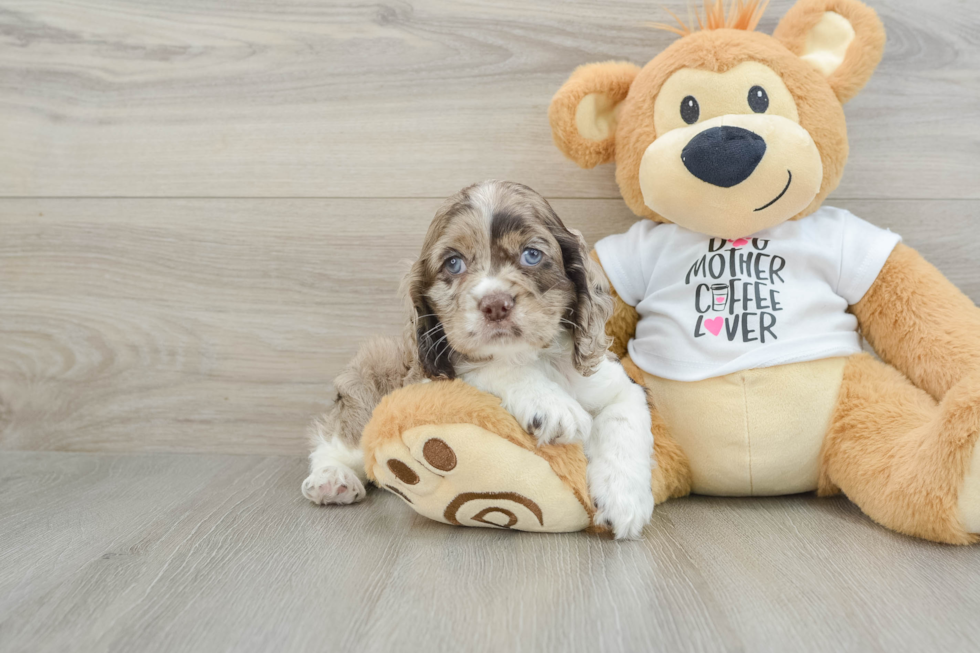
point(741, 14)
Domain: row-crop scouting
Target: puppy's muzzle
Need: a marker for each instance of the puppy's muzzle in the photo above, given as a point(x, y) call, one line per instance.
point(496, 306)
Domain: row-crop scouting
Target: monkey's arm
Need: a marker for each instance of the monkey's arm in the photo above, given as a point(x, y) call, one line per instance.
point(920, 323)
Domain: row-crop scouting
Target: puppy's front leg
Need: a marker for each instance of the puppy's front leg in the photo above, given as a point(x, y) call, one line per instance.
point(620, 450)
point(545, 409)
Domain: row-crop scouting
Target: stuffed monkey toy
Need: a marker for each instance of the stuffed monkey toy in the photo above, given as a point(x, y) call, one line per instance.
point(740, 302)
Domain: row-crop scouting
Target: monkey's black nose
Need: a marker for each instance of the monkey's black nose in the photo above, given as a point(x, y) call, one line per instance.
point(723, 156)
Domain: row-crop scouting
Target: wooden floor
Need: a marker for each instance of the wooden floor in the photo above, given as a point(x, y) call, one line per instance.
point(206, 206)
point(168, 552)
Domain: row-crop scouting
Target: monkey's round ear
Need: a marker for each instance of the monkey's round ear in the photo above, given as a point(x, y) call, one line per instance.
point(585, 109)
point(842, 39)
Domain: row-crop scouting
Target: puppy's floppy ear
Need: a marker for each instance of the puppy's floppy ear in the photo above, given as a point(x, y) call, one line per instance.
point(425, 332)
point(593, 303)
point(584, 111)
point(842, 39)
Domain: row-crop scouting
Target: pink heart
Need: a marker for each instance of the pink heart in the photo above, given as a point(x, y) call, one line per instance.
point(741, 242)
point(714, 326)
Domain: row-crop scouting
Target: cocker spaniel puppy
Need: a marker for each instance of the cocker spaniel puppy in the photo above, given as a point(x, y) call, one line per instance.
point(506, 298)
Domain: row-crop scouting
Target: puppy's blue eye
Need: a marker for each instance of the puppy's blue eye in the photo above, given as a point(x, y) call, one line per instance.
point(455, 265)
point(531, 256)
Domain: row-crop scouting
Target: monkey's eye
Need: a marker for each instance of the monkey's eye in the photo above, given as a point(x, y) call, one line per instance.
point(455, 265)
point(758, 99)
point(531, 257)
point(690, 110)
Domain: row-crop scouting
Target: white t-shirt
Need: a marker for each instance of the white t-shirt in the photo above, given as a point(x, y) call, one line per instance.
point(709, 307)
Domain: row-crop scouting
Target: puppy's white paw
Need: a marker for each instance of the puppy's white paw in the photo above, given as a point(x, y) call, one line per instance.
point(626, 518)
point(555, 420)
point(624, 509)
point(337, 485)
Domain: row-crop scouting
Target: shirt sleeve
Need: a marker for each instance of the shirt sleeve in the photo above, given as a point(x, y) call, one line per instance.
point(864, 250)
point(627, 260)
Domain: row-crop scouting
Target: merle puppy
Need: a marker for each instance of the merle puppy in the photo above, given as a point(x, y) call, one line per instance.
point(506, 298)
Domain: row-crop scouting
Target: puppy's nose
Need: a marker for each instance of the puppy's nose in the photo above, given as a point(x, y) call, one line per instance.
point(723, 156)
point(496, 306)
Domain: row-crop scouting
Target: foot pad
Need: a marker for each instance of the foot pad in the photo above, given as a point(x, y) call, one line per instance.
point(464, 475)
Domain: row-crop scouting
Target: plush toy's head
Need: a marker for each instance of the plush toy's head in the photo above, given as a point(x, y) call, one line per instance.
point(728, 131)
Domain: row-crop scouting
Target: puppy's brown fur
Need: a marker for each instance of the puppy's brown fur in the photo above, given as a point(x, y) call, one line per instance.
point(380, 366)
point(488, 225)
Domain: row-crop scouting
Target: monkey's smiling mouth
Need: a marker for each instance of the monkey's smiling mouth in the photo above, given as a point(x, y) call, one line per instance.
point(776, 199)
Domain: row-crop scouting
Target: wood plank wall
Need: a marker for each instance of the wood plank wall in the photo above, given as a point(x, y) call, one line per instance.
point(206, 206)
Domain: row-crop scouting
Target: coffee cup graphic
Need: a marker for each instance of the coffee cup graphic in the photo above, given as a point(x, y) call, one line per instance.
point(719, 297)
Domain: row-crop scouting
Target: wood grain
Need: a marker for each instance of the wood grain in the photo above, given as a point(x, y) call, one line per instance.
point(177, 553)
point(217, 325)
point(403, 98)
